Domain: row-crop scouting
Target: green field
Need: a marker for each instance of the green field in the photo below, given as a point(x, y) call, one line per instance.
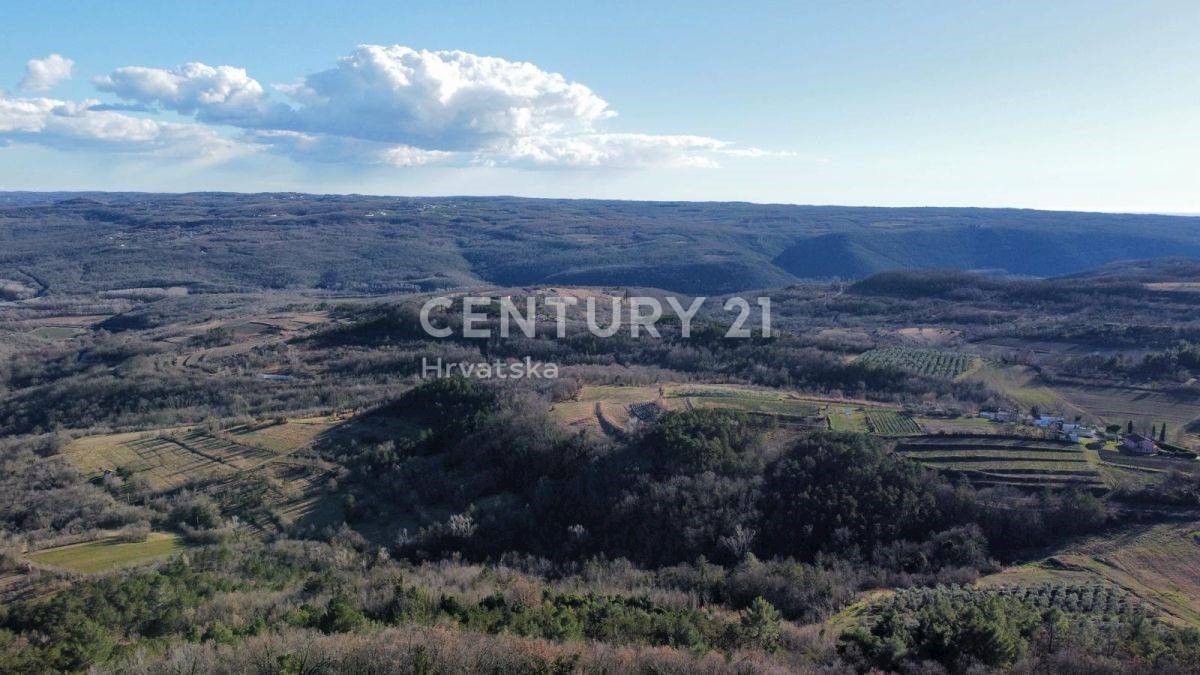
point(108, 553)
point(846, 418)
point(931, 362)
point(891, 423)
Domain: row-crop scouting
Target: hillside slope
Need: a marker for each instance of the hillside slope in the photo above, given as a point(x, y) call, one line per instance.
point(62, 243)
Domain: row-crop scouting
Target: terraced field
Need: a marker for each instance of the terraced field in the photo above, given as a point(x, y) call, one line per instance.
point(170, 458)
point(1006, 460)
point(891, 423)
point(931, 362)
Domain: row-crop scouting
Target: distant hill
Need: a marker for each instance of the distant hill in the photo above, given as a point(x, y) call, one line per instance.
point(1153, 270)
point(64, 242)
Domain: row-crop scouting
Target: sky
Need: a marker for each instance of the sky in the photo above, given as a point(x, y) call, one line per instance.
point(1066, 105)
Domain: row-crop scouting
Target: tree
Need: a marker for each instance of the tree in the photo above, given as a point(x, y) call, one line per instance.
point(840, 492)
point(1162, 433)
point(1129, 427)
point(760, 626)
point(340, 616)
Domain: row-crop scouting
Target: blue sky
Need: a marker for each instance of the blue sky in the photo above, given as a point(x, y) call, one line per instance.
point(1074, 105)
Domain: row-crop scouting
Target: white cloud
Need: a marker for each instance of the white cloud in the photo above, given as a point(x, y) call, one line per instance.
point(44, 74)
point(221, 94)
point(405, 107)
point(340, 149)
point(76, 125)
point(756, 152)
point(448, 100)
point(606, 150)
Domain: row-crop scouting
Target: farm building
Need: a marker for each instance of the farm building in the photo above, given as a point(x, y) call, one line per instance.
point(1137, 444)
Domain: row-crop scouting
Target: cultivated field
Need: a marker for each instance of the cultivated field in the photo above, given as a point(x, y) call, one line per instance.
point(169, 458)
point(891, 423)
point(1095, 600)
point(931, 362)
point(1000, 460)
point(108, 553)
point(1155, 563)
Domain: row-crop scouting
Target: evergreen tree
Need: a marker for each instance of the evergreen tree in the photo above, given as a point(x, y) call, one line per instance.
point(760, 625)
point(1162, 433)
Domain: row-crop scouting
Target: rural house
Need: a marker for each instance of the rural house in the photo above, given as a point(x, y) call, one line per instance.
point(1137, 444)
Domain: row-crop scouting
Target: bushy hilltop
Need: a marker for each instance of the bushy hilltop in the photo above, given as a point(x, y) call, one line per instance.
point(64, 242)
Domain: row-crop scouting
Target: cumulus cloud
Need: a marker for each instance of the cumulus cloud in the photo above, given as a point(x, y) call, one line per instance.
point(393, 106)
point(449, 100)
point(221, 94)
point(406, 107)
point(79, 125)
point(44, 74)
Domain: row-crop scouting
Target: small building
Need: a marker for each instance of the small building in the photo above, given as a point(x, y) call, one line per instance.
point(1047, 421)
point(1137, 444)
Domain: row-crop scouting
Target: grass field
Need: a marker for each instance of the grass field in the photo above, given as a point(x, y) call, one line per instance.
point(744, 399)
point(165, 463)
point(108, 553)
point(609, 409)
point(998, 460)
point(283, 438)
point(931, 362)
point(594, 402)
point(57, 332)
point(847, 418)
point(891, 423)
point(1021, 384)
point(958, 425)
point(1145, 407)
